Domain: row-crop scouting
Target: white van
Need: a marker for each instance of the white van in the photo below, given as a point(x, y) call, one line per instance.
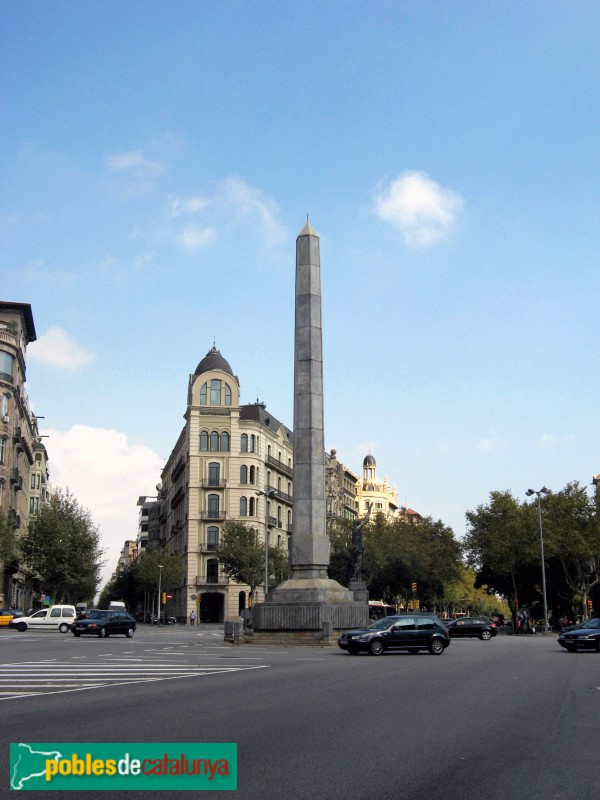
point(55, 618)
point(116, 605)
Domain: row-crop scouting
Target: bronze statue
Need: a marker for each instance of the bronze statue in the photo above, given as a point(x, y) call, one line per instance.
point(357, 549)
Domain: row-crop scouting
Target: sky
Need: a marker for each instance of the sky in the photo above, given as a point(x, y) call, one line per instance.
point(159, 159)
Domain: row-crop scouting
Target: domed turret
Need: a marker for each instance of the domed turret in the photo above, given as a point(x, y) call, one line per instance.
point(369, 461)
point(213, 360)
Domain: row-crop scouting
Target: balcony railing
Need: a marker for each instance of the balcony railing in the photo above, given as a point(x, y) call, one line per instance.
point(275, 462)
point(287, 498)
point(212, 514)
point(209, 547)
point(213, 483)
point(215, 580)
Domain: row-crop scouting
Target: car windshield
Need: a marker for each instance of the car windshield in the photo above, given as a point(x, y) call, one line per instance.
point(592, 623)
point(98, 614)
point(382, 624)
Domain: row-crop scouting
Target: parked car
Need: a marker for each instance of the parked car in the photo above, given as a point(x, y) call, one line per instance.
point(7, 615)
point(586, 637)
point(55, 618)
point(102, 623)
point(481, 627)
point(412, 631)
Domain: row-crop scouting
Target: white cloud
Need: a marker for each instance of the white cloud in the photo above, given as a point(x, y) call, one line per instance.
point(194, 237)
point(58, 349)
point(106, 474)
point(419, 208)
point(176, 206)
point(490, 442)
point(550, 439)
point(251, 202)
point(134, 162)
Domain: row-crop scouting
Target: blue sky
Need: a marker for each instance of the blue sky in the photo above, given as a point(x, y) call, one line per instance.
point(158, 160)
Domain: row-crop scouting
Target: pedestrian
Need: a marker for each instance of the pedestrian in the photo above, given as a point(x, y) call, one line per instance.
point(192, 617)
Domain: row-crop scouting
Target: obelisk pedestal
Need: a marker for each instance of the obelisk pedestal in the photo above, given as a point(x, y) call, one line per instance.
point(308, 606)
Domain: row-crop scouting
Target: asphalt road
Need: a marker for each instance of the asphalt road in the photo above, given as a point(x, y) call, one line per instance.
point(516, 717)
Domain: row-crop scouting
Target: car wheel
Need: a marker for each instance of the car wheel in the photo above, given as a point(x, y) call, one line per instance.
point(436, 648)
point(103, 633)
point(22, 627)
point(485, 635)
point(376, 647)
point(63, 627)
point(129, 633)
point(77, 635)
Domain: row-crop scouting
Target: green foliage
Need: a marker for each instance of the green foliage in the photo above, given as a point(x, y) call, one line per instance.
point(242, 556)
point(62, 545)
point(141, 576)
point(398, 553)
point(9, 549)
point(503, 545)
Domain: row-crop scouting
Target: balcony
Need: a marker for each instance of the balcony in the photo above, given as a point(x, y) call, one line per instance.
point(177, 469)
point(214, 580)
point(211, 514)
point(209, 547)
point(275, 462)
point(178, 497)
point(16, 480)
point(212, 483)
point(286, 498)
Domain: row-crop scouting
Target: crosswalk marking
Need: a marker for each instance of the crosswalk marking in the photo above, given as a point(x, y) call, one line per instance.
point(28, 678)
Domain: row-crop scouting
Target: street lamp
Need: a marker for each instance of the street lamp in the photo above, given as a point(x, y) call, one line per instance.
point(539, 493)
point(160, 569)
point(267, 493)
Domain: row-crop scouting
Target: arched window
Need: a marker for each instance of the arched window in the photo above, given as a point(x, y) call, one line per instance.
point(224, 442)
point(252, 443)
point(278, 540)
point(227, 395)
point(269, 450)
point(289, 522)
point(243, 474)
point(278, 484)
point(213, 505)
point(215, 392)
point(289, 491)
point(243, 506)
point(212, 538)
point(203, 395)
point(214, 473)
point(244, 444)
point(204, 441)
point(252, 473)
point(251, 510)
point(214, 442)
point(2, 449)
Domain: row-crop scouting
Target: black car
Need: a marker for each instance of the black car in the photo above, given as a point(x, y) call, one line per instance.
point(586, 637)
point(99, 622)
point(480, 627)
point(412, 632)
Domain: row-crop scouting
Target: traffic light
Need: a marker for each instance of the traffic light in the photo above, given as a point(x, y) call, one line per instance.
point(163, 598)
point(516, 603)
point(414, 587)
point(590, 605)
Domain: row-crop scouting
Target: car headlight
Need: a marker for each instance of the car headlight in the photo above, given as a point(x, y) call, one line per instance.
point(355, 637)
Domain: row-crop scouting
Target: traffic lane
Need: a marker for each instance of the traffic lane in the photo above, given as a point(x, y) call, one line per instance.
point(326, 724)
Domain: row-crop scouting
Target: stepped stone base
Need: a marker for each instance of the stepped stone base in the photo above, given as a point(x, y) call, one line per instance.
point(315, 607)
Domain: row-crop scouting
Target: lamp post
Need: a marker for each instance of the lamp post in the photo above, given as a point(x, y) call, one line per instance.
point(267, 493)
point(160, 569)
point(539, 493)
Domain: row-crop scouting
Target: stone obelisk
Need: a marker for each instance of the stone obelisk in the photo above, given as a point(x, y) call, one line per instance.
point(309, 604)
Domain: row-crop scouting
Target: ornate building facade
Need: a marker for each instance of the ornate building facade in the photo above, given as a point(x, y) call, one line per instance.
point(229, 460)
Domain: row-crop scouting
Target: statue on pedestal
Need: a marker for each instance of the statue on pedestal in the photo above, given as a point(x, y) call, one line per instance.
point(357, 549)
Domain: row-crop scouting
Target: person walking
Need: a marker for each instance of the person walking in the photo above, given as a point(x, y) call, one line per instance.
point(192, 617)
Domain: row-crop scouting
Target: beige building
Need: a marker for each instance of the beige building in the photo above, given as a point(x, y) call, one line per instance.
point(225, 459)
point(23, 459)
point(341, 489)
point(380, 495)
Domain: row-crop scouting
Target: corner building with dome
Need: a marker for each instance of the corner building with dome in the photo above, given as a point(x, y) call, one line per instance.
point(225, 455)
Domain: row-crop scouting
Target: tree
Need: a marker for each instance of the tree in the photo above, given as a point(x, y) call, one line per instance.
point(8, 539)
point(62, 545)
point(242, 557)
